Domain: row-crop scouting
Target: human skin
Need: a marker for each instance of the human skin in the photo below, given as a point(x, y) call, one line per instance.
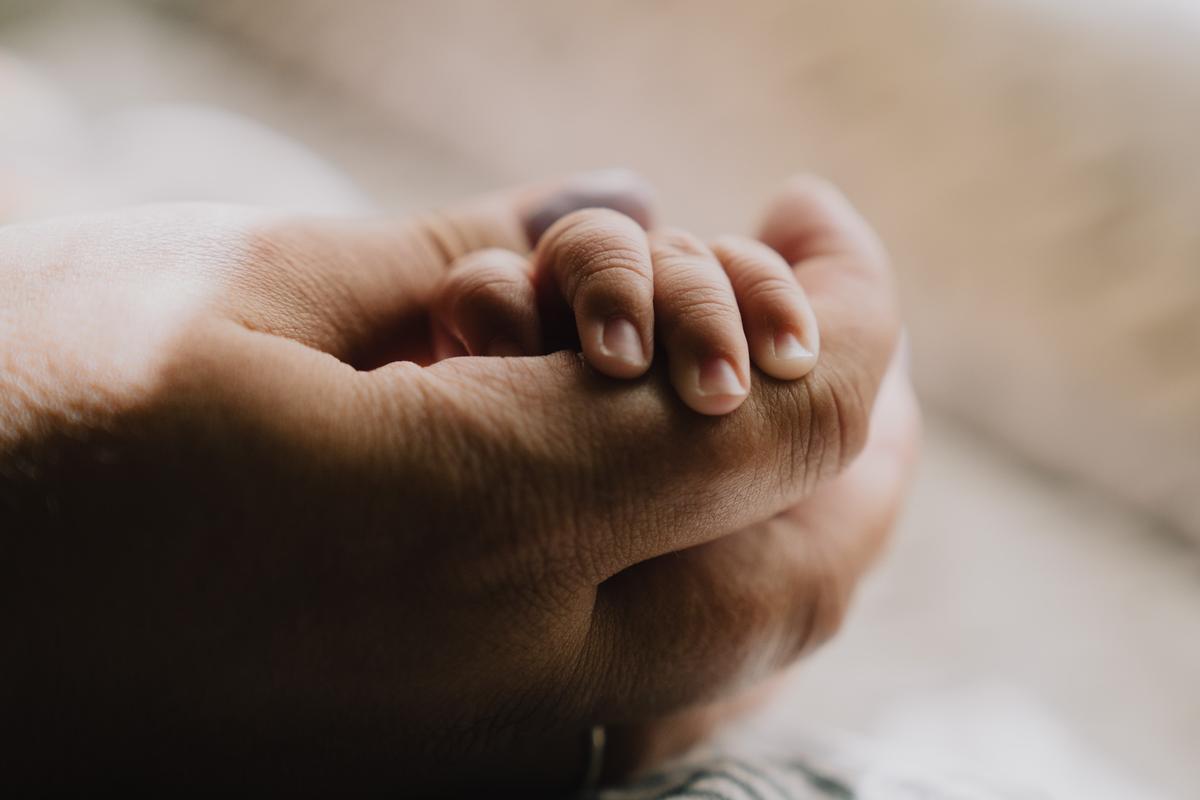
point(234, 552)
point(597, 278)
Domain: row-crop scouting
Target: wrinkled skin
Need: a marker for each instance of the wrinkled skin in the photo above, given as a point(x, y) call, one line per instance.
point(242, 544)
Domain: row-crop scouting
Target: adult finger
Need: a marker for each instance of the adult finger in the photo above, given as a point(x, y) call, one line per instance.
point(599, 475)
point(705, 622)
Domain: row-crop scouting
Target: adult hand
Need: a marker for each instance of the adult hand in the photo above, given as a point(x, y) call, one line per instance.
point(825, 542)
point(229, 555)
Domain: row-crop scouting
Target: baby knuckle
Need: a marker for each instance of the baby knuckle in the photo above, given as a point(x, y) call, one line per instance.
point(699, 304)
point(616, 280)
point(768, 289)
point(676, 241)
point(742, 255)
point(583, 233)
point(673, 269)
point(595, 240)
point(484, 290)
point(616, 264)
point(493, 262)
point(489, 256)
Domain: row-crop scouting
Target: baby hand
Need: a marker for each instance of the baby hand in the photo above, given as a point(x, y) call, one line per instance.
point(714, 309)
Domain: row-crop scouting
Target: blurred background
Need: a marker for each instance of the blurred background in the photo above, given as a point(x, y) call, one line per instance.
point(1031, 164)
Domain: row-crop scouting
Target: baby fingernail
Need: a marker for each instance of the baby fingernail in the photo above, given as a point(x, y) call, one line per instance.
point(788, 347)
point(621, 340)
point(717, 376)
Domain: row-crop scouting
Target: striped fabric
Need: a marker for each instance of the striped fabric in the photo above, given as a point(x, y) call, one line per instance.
point(846, 776)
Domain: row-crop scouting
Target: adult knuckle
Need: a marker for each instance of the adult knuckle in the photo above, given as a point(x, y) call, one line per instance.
point(841, 416)
point(784, 426)
point(815, 426)
point(277, 263)
point(441, 235)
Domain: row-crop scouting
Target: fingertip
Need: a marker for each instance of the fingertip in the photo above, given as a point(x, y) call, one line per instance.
point(783, 354)
point(712, 386)
point(599, 262)
point(779, 320)
point(615, 347)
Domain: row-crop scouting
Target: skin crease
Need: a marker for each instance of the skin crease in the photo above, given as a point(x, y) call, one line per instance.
point(231, 556)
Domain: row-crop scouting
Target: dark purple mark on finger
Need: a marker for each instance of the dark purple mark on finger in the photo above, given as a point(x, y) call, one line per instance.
point(620, 190)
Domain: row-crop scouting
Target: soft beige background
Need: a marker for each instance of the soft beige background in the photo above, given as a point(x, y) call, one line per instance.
point(1031, 165)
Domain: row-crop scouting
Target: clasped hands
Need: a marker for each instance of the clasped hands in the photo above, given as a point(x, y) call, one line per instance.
point(300, 502)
